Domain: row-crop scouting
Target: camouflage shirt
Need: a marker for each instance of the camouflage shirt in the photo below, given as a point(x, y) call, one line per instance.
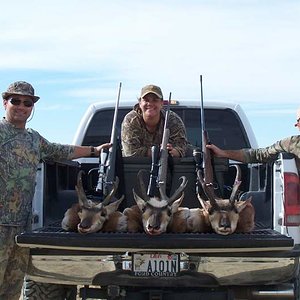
point(137, 140)
point(20, 152)
point(268, 154)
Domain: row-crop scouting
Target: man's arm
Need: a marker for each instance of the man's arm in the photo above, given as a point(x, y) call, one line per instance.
point(87, 151)
point(237, 155)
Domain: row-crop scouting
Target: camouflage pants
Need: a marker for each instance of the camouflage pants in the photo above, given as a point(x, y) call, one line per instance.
point(13, 263)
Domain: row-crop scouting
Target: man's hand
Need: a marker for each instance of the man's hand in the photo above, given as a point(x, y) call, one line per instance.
point(173, 152)
point(103, 146)
point(216, 150)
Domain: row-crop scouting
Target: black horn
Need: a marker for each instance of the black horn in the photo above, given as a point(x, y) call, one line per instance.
point(236, 184)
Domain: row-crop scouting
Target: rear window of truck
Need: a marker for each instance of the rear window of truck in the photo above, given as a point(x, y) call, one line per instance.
point(224, 127)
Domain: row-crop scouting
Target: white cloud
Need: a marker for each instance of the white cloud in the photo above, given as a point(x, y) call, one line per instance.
point(175, 38)
point(248, 51)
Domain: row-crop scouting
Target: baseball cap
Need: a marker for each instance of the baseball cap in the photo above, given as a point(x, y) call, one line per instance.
point(151, 89)
point(20, 88)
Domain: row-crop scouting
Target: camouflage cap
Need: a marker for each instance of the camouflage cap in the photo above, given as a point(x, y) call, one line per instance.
point(20, 88)
point(151, 89)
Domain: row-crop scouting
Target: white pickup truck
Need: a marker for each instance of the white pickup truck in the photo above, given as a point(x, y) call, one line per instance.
point(263, 264)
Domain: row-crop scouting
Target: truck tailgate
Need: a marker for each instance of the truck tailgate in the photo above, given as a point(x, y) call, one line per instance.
point(56, 238)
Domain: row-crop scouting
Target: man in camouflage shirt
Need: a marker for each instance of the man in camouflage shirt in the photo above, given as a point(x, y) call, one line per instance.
point(21, 150)
point(268, 154)
point(143, 126)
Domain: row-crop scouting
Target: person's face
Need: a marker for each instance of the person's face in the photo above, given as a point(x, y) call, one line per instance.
point(18, 109)
point(151, 105)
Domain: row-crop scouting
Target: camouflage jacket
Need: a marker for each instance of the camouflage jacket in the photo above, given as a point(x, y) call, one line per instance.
point(137, 140)
point(20, 152)
point(268, 154)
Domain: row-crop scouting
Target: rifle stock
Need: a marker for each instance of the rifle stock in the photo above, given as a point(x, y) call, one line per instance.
point(107, 159)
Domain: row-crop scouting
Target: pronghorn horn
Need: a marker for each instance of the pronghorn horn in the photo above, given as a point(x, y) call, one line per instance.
point(142, 185)
point(79, 188)
point(162, 192)
point(236, 185)
point(207, 189)
point(112, 192)
point(179, 189)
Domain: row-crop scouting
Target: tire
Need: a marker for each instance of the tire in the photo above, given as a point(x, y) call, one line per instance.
point(33, 290)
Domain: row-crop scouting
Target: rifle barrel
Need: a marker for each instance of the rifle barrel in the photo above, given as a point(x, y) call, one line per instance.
point(206, 161)
point(202, 116)
point(113, 133)
point(164, 142)
point(108, 162)
point(163, 160)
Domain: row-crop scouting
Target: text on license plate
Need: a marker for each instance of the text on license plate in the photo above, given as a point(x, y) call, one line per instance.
point(155, 264)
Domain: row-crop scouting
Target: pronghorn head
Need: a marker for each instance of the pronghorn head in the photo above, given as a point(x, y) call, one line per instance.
point(223, 214)
point(157, 211)
point(93, 215)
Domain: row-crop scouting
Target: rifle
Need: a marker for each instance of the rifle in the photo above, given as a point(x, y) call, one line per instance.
point(154, 171)
point(203, 159)
point(159, 167)
point(107, 158)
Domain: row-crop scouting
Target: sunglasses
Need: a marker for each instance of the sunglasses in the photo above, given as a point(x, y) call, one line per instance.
point(17, 102)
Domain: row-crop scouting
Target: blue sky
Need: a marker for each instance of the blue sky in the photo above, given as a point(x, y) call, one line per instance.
point(76, 52)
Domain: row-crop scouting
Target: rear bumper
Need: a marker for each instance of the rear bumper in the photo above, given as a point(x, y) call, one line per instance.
point(196, 270)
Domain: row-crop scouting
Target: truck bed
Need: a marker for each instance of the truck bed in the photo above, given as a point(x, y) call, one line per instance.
point(52, 236)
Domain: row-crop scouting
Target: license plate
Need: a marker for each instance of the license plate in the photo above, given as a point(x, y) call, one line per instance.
point(155, 264)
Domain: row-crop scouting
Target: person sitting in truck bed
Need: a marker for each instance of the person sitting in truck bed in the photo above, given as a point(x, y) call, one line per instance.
point(21, 151)
point(143, 126)
point(268, 154)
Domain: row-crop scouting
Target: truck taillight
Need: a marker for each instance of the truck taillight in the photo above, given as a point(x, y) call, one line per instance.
point(291, 199)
